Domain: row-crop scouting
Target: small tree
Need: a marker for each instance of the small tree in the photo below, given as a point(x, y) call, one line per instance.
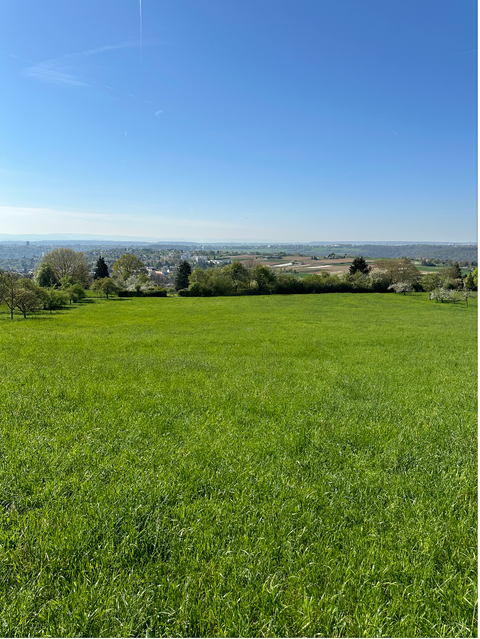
point(10, 290)
point(53, 299)
point(181, 276)
point(76, 293)
point(106, 286)
point(401, 287)
point(101, 269)
point(449, 284)
point(466, 294)
point(138, 283)
point(455, 272)
point(431, 281)
point(444, 294)
point(359, 265)
point(28, 301)
point(455, 295)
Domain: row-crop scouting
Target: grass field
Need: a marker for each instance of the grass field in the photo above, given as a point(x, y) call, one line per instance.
point(251, 466)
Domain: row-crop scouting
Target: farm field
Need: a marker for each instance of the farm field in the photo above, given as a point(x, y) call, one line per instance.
point(306, 265)
point(250, 466)
point(302, 265)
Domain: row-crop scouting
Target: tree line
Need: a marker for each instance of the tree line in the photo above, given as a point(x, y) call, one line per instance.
point(64, 275)
point(237, 278)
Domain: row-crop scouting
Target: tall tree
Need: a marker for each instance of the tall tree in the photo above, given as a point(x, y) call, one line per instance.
point(45, 275)
point(238, 272)
point(67, 262)
point(403, 270)
point(431, 281)
point(101, 269)
point(470, 281)
point(263, 276)
point(454, 272)
point(128, 265)
point(359, 265)
point(181, 276)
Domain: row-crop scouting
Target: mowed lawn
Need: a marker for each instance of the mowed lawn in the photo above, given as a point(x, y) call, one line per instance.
point(251, 466)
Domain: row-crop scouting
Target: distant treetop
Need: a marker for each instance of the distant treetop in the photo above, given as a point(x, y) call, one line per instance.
point(101, 269)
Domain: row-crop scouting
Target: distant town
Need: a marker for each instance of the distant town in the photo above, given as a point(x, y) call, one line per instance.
point(162, 259)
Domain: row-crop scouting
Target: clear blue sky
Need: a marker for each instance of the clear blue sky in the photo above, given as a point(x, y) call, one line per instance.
point(252, 120)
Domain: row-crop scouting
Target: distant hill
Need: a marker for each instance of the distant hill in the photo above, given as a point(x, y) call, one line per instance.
point(453, 252)
point(416, 251)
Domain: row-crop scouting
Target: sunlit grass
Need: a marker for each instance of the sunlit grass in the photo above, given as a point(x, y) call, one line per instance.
point(278, 465)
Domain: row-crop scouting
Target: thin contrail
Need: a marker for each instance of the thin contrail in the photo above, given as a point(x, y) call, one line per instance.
point(392, 130)
point(141, 34)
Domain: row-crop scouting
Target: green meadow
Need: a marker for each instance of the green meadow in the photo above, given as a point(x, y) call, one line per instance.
point(250, 466)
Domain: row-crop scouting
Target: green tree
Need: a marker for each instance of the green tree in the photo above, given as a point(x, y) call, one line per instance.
point(53, 299)
point(263, 276)
point(449, 284)
point(101, 269)
point(128, 265)
point(431, 281)
point(470, 282)
point(10, 290)
point(238, 272)
point(45, 275)
point(359, 265)
point(403, 270)
point(181, 276)
point(106, 286)
point(76, 293)
point(454, 272)
point(67, 262)
point(29, 298)
point(466, 294)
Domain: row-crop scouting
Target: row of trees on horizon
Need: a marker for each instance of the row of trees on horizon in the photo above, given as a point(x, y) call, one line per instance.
point(64, 275)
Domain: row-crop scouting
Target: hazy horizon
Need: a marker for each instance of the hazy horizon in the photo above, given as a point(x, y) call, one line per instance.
point(58, 237)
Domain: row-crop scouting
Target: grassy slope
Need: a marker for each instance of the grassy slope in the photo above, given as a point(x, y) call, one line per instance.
point(240, 466)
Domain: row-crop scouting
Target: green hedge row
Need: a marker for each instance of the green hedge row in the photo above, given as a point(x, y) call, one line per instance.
point(142, 294)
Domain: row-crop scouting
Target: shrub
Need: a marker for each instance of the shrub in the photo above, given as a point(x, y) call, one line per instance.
point(401, 287)
point(53, 299)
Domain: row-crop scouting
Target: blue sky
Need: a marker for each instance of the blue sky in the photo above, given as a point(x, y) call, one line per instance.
point(267, 120)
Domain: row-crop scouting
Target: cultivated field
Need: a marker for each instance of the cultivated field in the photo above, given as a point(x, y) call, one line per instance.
point(302, 265)
point(306, 265)
point(250, 466)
